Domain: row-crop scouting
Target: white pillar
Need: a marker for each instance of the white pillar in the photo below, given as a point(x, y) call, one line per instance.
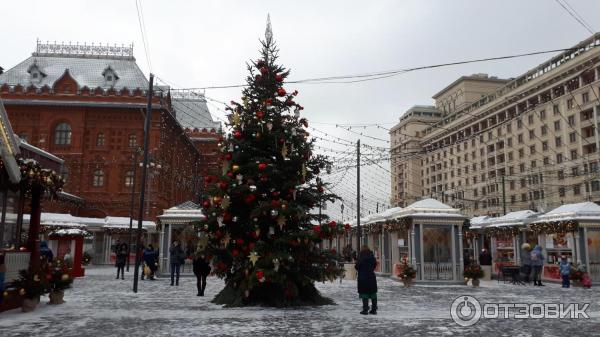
point(413, 253)
point(516, 250)
point(454, 271)
point(461, 265)
point(577, 248)
point(586, 249)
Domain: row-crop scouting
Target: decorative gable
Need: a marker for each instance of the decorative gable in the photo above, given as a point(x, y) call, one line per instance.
point(66, 84)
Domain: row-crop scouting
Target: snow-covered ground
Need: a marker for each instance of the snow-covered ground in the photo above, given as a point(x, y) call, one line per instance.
point(99, 305)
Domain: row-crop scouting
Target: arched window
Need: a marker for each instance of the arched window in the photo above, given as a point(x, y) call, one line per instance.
point(132, 141)
point(129, 178)
point(100, 139)
point(62, 134)
point(98, 180)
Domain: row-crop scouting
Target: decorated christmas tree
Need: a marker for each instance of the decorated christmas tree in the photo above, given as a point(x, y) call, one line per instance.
point(263, 233)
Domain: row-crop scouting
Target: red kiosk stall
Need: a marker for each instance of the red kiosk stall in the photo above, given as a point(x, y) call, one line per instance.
point(70, 239)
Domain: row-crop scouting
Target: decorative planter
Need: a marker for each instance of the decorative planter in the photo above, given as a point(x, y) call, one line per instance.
point(29, 304)
point(407, 283)
point(475, 282)
point(56, 297)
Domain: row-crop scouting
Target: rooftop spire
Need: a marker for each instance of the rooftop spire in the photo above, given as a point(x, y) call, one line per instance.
point(269, 31)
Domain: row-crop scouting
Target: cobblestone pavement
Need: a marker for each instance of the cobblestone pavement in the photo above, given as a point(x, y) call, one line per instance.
point(99, 305)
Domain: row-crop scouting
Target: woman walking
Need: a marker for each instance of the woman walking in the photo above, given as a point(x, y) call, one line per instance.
point(201, 270)
point(176, 258)
point(526, 261)
point(367, 282)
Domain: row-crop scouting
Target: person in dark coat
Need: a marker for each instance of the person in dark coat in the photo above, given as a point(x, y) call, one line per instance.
point(177, 258)
point(526, 261)
point(121, 258)
point(537, 264)
point(485, 258)
point(149, 258)
point(367, 282)
point(45, 252)
point(201, 270)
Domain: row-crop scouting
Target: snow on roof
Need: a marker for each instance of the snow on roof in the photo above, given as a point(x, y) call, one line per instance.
point(429, 204)
point(68, 220)
point(518, 218)
point(429, 208)
point(87, 71)
point(581, 211)
point(182, 213)
point(192, 111)
point(70, 232)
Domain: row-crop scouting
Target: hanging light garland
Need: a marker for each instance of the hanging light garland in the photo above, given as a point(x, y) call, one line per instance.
point(555, 227)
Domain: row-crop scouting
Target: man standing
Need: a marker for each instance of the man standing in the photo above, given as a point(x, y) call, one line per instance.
point(176, 258)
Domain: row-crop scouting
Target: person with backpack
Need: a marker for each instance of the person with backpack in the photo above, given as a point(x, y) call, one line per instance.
point(565, 272)
point(201, 270)
point(177, 258)
point(537, 263)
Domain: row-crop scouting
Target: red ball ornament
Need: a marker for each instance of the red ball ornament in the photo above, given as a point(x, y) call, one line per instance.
point(228, 156)
point(275, 203)
point(251, 244)
point(281, 141)
point(223, 185)
point(227, 217)
point(253, 234)
point(317, 228)
point(262, 166)
point(240, 242)
point(257, 78)
point(275, 193)
point(206, 204)
point(269, 101)
point(208, 179)
point(260, 114)
point(347, 226)
point(332, 223)
point(281, 92)
point(237, 134)
point(230, 174)
point(321, 189)
point(250, 199)
point(260, 274)
point(235, 253)
point(264, 178)
point(278, 78)
point(264, 70)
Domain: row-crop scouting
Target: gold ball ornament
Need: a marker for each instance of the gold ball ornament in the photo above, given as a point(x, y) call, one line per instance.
point(21, 291)
point(65, 277)
point(5, 294)
point(235, 168)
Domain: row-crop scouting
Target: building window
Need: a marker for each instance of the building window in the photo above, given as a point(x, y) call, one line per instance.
point(132, 141)
point(521, 153)
point(546, 161)
point(531, 134)
point(561, 175)
point(573, 154)
point(98, 180)
point(572, 137)
point(595, 185)
point(577, 189)
point(520, 138)
point(575, 171)
point(585, 97)
point(557, 126)
point(571, 120)
point(100, 139)
point(519, 124)
point(544, 129)
point(559, 158)
point(561, 191)
point(521, 168)
point(508, 128)
point(555, 109)
point(542, 114)
point(129, 178)
point(558, 141)
point(570, 103)
point(544, 146)
point(62, 134)
point(532, 149)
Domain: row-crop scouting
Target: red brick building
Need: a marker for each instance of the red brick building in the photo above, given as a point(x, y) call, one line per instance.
point(86, 104)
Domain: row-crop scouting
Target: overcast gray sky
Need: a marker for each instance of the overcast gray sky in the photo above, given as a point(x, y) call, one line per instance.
point(202, 43)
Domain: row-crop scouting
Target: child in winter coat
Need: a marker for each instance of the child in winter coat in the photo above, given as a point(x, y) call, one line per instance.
point(565, 272)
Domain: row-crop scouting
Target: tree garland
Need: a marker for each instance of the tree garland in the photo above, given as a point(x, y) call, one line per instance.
point(398, 225)
point(32, 174)
point(502, 231)
point(555, 227)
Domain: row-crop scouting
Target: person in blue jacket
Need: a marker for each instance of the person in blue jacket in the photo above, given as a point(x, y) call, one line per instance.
point(366, 281)
point(45, 252)
point(565, 272)
point(537, 263)
point(150, 261)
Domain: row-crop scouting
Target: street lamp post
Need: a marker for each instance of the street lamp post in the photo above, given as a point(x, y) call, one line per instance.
point(135, 160)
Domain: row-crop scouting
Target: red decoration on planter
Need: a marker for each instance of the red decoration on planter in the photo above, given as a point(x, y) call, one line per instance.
point(262, 166)
point(237, 134)
point(281, 92)
point(251, 244)
point(253, 234)
point(260, 114)
point(264, 70)
point(278, 78)
point(281, 141)
point(333, 251)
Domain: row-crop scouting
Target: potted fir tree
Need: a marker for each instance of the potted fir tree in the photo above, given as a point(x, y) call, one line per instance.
point(59, 279)
point(473, 272)
point(407, 274)
point(31, 285)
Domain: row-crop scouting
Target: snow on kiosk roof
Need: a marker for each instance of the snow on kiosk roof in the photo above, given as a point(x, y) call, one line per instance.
point(518, 218)
point(430, 208)
point(183, 213)
point(584, 211)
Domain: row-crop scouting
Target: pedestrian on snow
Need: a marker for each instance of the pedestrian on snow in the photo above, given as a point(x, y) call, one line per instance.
point(201, 270)
point(466, 257)
point(565, 272)
point(367, 282)
point(149, 258)
point(177, 258)
point(121, 258)
point(46, 253)
point(354, 257)
point(485, 258)
point(68, 258)
point(537, 262)
point(526, 261)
